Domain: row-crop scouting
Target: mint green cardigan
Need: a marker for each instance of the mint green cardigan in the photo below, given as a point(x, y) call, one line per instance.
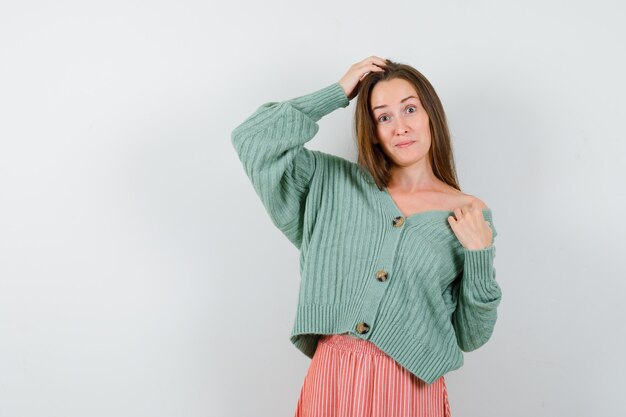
point(405, 284)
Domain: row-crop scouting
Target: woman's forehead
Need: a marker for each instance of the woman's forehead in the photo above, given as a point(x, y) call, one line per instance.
point(386, 93)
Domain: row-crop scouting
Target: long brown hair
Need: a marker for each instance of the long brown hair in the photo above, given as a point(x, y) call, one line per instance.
point(371, 156)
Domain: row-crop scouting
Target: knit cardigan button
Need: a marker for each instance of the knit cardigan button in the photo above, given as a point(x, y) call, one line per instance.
point(398, 221)
point(381, 275)
point(362, 328)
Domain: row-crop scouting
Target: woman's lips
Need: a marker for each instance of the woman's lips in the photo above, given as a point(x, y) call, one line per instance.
point(405, 144)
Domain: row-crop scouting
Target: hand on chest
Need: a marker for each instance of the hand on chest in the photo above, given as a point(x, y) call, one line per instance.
point(466, 217)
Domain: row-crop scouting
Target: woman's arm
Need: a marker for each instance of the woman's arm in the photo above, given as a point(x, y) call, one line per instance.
point(473, 299)
point(270, 145)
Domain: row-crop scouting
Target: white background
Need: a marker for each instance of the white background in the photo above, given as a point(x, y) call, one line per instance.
point(139, 272)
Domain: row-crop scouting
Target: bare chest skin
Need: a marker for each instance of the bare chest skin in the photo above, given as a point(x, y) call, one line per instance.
point(417, 202)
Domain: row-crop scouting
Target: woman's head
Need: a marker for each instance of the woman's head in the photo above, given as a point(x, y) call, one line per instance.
point(420, 120)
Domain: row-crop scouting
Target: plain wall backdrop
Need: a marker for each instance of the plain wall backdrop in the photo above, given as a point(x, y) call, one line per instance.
point(139, 272)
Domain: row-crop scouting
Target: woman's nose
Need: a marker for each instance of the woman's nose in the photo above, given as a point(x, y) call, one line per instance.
point(401, 126)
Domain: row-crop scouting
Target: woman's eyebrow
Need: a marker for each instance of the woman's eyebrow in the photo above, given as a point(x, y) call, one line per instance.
point(401, 101)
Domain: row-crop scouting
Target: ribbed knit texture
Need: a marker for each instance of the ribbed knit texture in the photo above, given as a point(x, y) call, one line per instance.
point(439, 298)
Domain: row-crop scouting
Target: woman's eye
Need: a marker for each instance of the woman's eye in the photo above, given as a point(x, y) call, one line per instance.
point(383, 118)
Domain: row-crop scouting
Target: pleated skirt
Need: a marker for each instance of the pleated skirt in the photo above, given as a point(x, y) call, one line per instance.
point(350, 377)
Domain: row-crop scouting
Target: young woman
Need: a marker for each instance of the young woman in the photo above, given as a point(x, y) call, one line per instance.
point(397, 275)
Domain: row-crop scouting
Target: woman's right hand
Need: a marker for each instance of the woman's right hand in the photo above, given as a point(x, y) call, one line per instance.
point(355, 74)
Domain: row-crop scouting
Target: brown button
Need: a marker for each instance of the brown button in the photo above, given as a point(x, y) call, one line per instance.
point(362, 328)
point(398, 221)
point(381, 275)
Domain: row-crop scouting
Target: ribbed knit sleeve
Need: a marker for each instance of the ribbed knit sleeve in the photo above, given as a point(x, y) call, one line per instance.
point(473, 298)
point(476, 297)
point(270, 145)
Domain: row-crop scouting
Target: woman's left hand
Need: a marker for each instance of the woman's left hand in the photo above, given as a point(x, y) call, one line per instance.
point(470, 227)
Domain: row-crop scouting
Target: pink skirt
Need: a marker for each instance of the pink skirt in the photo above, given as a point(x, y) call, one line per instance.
point(350, 377)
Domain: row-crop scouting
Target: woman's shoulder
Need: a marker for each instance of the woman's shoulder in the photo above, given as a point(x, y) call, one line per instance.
point(332, 167)
point(462, 199)
point(333, 161)
point(476, 202)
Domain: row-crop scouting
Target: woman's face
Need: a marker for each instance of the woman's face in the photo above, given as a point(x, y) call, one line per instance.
point(402, 124)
